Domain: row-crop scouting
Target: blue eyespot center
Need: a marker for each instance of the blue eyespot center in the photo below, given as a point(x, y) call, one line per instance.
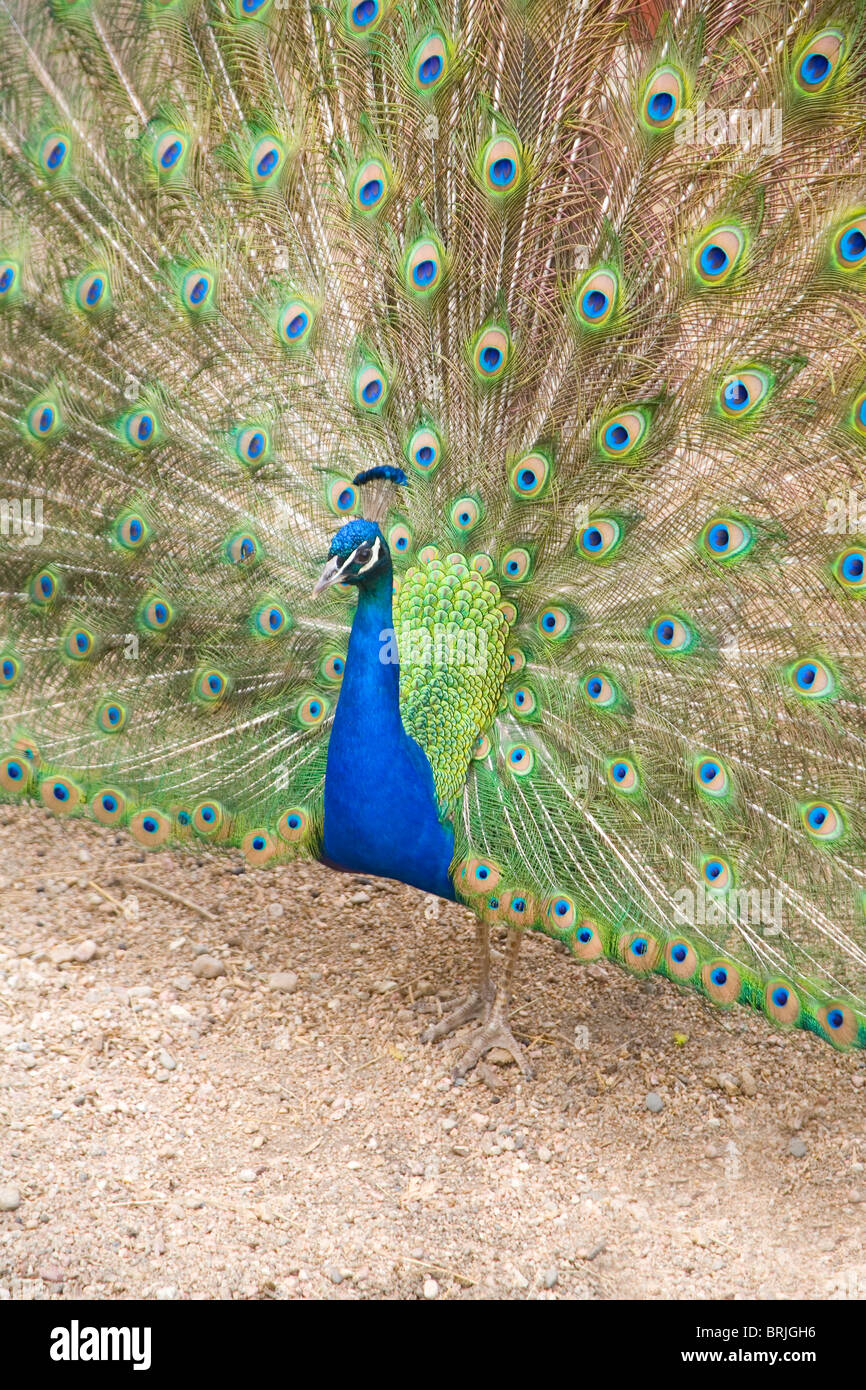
point(817, 816)
point(594, 687)
point(616, 436)
point(585, 935)
point(526, 479)
point(46, 419)
point(619, 772)
point(15, 771)
point(171, 154)
point(709, 771)
point(592, 538)
point(806, 675)
point(371, 192)
point(56, 155)
point(113, 714)
point(145, 427)
point(268, 162)
point(430, 69)
point(294, 822)
point(259, 842)
point(679, 953)
point(835, 1018)
point(61, 793)
point(719, 537)
point(562, 907)
point(640, 946)
point(424, 272)
point(853, 244)
point(365, 12)
point(665, 631)
point(150, 825)
point(714, 259)
point(736, 395)
point(424, 454)
point(713, 869)
point(594, 304)
point(94, 292)
point(490, 358)
point(109, 803)
point(135, 530)
point(296, 326)
point(199, 290)
point(502, 171)
point(372, 391)
point(853, 566)
point(8, 670)
point(814, 68)
point(183, 818)
point(6, 279)
point(780, 996)
point(719, 976)
point(660, 106)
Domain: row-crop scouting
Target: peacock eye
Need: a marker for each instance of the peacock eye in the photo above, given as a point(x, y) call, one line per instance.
point(362, 554)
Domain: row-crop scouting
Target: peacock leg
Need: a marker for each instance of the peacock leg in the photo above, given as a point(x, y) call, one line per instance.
point(479, 1001)
point(494, 1030)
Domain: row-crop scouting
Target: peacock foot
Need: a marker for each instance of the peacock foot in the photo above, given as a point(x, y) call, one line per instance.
point(490, 1006)
point(493, 1032)
point(473, 1007)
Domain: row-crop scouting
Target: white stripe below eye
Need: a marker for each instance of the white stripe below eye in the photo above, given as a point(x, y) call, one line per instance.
point(374, 558)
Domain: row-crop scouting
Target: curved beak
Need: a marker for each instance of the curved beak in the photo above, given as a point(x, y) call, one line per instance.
point(330, 575)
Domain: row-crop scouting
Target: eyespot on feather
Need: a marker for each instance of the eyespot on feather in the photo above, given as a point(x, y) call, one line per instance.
point(711, 776)
point(781, 1002)
point(816, 66)
point(721, 980)
point(622, 775)
point(108, 806)
point(742, 393)
point(680, 958)
point(621, 434)
point(599, 538)
point(596, 298)
point(823, 821)
point(258, 847)
point(502, 166)
point(491, 352)
point(293, 825)
point(60, 795)
point(840, 1024)
point(718, 254)
point(150, 828)
point(639, 951)
point(587, 942)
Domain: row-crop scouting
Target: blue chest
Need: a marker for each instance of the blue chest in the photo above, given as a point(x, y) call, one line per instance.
point(381, 814)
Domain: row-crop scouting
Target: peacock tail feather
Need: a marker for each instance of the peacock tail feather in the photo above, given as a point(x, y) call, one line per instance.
point(595, 279)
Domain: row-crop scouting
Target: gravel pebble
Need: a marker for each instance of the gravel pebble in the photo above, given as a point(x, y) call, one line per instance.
point(10, 1197)
point(207, 967)
point(550, 1277)
point(284, 981)
point(431, 1288)
point(797, 1148)
point(654, 1102)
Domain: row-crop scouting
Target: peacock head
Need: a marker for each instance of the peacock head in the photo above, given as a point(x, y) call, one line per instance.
point(358, 553)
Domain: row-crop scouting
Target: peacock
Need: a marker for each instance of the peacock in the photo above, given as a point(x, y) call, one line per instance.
point(433, 439)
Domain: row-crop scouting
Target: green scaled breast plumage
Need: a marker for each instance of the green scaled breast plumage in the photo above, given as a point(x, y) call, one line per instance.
point(249, 254)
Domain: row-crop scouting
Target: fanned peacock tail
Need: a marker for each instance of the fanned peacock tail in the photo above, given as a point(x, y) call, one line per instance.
point(249, 249)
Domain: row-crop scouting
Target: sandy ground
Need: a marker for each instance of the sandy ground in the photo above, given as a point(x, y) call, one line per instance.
point(238, 1105)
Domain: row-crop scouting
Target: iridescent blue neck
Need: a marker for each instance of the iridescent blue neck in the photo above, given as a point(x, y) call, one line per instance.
point(381, 813)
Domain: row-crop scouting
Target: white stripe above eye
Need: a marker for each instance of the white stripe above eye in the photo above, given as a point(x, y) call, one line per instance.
point(374, 558)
